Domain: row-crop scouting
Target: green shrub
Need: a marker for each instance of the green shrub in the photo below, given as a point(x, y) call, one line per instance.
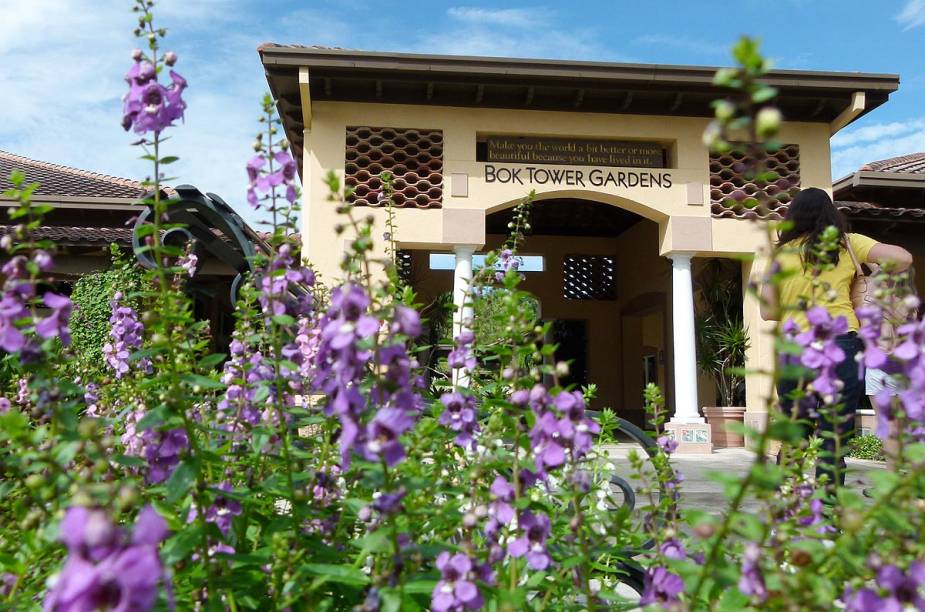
point(866, 446)
point(91, 296)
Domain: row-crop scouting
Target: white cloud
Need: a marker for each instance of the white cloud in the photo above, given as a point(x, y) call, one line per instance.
point(876, 132)
point(533, 32)
point(854, 148)
point(516, 18)
point(690, 45)
point(65, 92)
point(912, 14)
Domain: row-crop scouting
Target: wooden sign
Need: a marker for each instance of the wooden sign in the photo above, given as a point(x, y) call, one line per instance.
point(574, 152)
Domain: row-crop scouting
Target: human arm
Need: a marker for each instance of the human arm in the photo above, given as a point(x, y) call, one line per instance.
point(898, 258)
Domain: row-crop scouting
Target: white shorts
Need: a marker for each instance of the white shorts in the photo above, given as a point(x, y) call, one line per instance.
point(876, 381)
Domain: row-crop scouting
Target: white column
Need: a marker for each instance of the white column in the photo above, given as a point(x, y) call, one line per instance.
point(462, 318)
point(685, 352)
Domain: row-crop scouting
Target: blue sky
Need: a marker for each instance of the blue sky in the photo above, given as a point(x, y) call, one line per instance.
point(62, 61)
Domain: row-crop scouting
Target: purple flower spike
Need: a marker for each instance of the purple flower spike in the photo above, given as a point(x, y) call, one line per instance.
point(459, 415)
point(105, 569)
point(751, 582)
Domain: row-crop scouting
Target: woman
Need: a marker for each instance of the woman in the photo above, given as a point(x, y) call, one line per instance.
point(811, 278)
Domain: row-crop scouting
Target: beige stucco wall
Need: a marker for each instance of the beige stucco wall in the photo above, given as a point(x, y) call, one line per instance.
point(680, 213)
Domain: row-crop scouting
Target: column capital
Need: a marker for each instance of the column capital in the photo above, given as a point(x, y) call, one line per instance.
point(680, 257)
point(464, 249)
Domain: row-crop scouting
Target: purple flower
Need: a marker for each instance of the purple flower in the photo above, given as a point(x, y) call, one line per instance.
point(535, 529)
point(105, 569)
point(673, 549)
point(820, 352)
point(667, 444)
point(661, 587)
point(500, 511)
point(188, 263)
point(222, 511)
point(56, 324)
point(462, 357)
point(162, 450)
point(751, 582)
point(382, 435)
point(459, 415)
point(456, 589)
point(406, 321)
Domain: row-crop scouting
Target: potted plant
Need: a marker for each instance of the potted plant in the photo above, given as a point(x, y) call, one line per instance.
point(722, 340)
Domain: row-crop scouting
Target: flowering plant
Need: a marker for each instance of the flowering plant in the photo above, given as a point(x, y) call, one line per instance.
point(314, 467)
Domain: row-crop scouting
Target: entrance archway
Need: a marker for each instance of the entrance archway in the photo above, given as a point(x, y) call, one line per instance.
point(599, 261)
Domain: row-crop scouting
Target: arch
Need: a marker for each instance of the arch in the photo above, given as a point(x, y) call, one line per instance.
point(639, 208)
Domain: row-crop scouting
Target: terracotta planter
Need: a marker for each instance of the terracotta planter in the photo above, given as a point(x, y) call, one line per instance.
point(718, 418)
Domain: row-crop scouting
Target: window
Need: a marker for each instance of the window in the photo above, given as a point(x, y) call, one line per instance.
point(588, 277)
point(447, 261)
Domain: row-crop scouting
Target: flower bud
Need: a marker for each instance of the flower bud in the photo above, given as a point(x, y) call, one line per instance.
point(137, 55)
point(800, 557)
point(704, 530)
point(768, 121)
point(170, 58)
point(6, 243)
point(469, 521)
point(562, 368)
point(724, 110)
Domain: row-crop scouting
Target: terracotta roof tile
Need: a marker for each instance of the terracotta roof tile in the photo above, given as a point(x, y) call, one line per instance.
point(58, 180)
point(913, 163)
point(852, 209)
point(79, 235)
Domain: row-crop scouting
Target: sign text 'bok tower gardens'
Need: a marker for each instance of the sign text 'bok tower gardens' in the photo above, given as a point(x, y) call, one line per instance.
point(628, 198)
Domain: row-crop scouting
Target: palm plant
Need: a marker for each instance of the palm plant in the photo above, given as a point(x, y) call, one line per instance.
point(722, 337)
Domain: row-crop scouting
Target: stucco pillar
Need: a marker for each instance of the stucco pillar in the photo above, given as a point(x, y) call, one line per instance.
point(306, 181)
point(760, 354)
point(686, 425)
point(462, 318)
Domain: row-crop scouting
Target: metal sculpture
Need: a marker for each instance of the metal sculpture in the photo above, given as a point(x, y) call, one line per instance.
point(211, 225)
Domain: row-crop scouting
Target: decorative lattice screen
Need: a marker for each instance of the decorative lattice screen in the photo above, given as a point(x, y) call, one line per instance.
point(414, 157)
point(588, 277)
point(728, 187)
point(403, 261)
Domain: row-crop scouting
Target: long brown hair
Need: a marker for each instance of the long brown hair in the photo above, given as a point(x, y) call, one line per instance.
point(808, 215)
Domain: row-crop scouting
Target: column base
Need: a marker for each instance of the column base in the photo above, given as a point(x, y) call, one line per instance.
point(692, 438)
point(754, 420)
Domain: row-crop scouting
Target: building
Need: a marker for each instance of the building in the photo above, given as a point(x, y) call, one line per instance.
point(628, 199)
point(886, 200)
point(92, 211)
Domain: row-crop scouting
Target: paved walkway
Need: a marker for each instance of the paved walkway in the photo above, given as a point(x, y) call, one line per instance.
point(699, 492)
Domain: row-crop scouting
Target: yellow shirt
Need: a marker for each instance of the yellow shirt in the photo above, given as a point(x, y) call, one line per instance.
point(832, 292)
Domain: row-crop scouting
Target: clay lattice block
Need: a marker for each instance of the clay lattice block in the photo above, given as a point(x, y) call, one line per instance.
point(414, 157)
point(726, 179)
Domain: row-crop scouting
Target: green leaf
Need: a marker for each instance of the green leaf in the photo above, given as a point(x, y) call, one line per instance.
point(203, 381)
point(764, 94)
point(283, 319)
point(342, 574)
point(130, 461)
point(180, 545)
point(420, 587)
point(212, 360)
point(181, 480)
point(169, 159)
point(785, 430)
